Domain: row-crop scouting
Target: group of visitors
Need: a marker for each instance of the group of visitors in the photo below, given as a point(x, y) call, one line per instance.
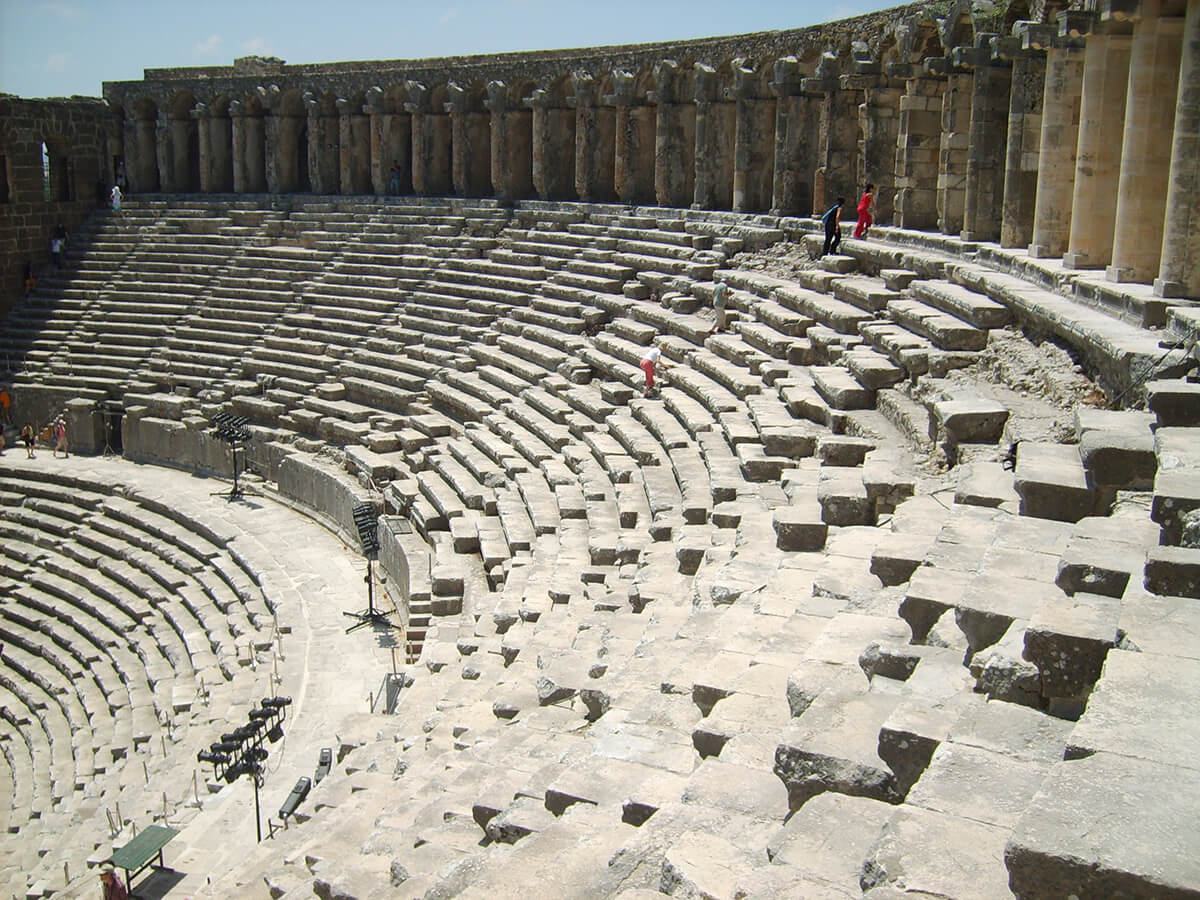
point(832, 220)
point(55, 432)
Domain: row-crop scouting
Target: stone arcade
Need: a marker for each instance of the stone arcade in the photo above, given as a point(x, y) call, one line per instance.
point(891, 589)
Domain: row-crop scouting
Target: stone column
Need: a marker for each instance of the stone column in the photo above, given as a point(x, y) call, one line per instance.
point(953, 152)
point(595, 143)
point(431, 137)
point(1024, 132)
point(716, 125)
point(553, 136)
point(1179, 271)
point(203, 116)
point(1146, 152)
point(354, 145)
point(220, 130)
point(674, 138)
point(1057, 145)
point(470, 144)
point(1098, 154)
point(238, 116)
point(837, 138)
point(272, 152)
point(165, 152)
point(390, 143)
point(879, 130)
point(634, 134)
point(754, 144)
point(917, 148)
point(797, 117)
point(323, 141)
point(991, 82)
point(511, 144)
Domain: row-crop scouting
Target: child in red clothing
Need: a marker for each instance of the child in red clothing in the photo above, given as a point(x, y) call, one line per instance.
point(865, 205)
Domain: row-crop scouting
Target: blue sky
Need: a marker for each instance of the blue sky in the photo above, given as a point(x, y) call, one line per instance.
point(55, 48)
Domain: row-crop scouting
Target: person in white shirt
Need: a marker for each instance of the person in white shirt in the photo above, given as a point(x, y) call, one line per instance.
point(651, 362)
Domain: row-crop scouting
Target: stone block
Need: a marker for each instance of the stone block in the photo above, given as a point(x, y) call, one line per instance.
point(1174, 571)
point(969, 420)
point(1051, 482)
point(843, 498)
point(1123, 459)
point(1069, 640)
point(1109, 826)
point(799, 529)
point(843, 450)
point(1174, 402)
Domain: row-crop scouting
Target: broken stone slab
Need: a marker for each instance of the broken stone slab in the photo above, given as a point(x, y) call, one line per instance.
point(698, 864)
point(523, 817)
point(968, 420)
point(1099, 566)
point(1068, 640)
point(983, 483)
point(1002, 672)
point(932, 854)
point(931, 592)
point(1051, 482)
point(1142, 706)
point(897, 556)
point(1174, 402)
point(1160, 625)
point(991, 603)
point(799, 528)
point(913, 731)
point(829, 837)
point(978, 784)
point(833, 746)
point(843, 450)
point(1174, 571)
point(1119, 459)
point(1109, 826)
point(843, 498)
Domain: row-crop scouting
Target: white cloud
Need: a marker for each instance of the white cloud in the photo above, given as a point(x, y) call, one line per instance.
point(64, 11)
point(210, 46)
point(257, 46)
point(57, 62)
point(448, 16)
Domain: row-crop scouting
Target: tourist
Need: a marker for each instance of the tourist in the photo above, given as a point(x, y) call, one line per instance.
point(111, 885)
point(56, 252)
point(865, 206)
point(5, 406)
point(60, 438)
point(720, 300)
point(27, 437)
point(30, 279)
point(832, 220)
point(651, 363)
point(395, 185)
point(115, 196)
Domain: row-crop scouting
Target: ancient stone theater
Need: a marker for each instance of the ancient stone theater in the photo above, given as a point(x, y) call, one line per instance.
point(515, 476)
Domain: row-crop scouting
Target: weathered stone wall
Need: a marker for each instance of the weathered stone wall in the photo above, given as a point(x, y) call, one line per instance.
point(79, 135)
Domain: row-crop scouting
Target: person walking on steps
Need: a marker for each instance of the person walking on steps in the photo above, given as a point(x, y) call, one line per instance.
point(115, 196)
point(650, 364)
point(720, 302)
point(832, 220)
point(865, 207)
point(27, 438)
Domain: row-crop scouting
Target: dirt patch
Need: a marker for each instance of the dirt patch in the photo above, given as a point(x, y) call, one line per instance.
point(783, 260)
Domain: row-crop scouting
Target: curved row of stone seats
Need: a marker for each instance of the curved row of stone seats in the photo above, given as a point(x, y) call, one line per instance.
point(123, 621)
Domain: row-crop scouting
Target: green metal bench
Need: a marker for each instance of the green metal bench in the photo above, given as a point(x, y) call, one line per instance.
point(139, 853)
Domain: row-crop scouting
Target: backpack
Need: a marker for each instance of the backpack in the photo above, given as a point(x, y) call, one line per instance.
point(829, 212)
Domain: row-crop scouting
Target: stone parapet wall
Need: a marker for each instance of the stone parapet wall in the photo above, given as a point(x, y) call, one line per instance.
point(78, 134)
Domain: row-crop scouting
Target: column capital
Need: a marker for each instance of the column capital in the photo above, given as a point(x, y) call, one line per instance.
point(270, 96)
point(418, 97)
point(311, 104)
point(375, 101)
point(201, 111)
point(540, 98)
point(825, 81)
point(496, 101)
point(1073, 23)
point(708, 86)
point(941, 66)
point(347, 107)
point(1120, 10)
point(624, 89)
point(237, 109)
point(788, 77)
point(1034, 35)
point(584, 87)
point(666, 82)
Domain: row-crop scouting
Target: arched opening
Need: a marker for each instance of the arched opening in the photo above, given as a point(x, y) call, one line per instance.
point(184, 136)
point(57, 173)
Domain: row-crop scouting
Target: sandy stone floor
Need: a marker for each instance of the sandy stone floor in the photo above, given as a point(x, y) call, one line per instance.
point(327, 672)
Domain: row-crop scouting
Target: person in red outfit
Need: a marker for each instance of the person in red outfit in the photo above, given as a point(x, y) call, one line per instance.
point(865, 205)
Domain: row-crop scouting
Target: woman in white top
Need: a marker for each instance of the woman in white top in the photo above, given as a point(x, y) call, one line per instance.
point(116, 198)
point(650, 363)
